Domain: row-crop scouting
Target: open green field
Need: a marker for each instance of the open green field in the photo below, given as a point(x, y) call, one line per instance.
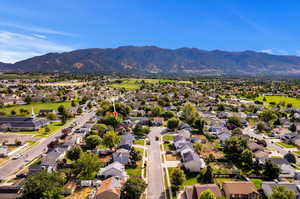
point(285, 145)
point(133, 84)
point(294, 101)
point(22, 76)
point(36, 107)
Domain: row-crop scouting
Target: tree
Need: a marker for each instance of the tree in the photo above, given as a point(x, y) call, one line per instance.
point(290, 157)
point(133, 188)
point(177, 179)
point(109, 119)
point(134, 156)
point(111, 139)
point(237, 131)
point(267, 116)
point(293, 128)
point(199, 124)
point(169, 114)
point(102, 128)
point(281, 192)
point(207, 176)
point(173, 123)
point(234, 146)
point(73, 103)
point(246, 159)
point(260, 127)
point(140, 130)
point(189, 113)
point(51, 116)
point(74, 153)
point(87, 166)
point(61, 110)
point(235, 122)
point(207, 194)
point(198, 147)
point(13, 112)
point(156, 111)
point(271, 171)
point(28, 99)
point(43, 185)
point(92, 141)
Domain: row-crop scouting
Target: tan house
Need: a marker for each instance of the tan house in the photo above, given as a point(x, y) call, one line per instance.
point(194, 192)
point(240, 190)
point(110, 189)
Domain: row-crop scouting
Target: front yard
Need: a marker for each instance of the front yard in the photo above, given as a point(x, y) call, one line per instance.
point(285, 145)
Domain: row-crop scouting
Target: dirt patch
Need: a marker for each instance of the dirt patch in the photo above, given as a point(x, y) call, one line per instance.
point(170, 157)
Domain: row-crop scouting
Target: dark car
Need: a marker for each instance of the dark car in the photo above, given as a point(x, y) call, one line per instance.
point(21, 175)
point(156, 138)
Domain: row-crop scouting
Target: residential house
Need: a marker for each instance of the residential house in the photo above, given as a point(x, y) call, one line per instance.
point(157, 121)
point(113, 169)
point(70, 187)
point(240, 190)
point(110, 188)
point(194, 192)
point(126, 141)
point(287, 171)
point(122, 156)
point(192, 161)
point(50, 160)
point(268, 186)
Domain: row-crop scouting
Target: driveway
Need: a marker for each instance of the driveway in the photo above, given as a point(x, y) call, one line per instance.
point(155, 173)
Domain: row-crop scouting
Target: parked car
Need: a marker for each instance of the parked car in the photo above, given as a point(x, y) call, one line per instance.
point(21, 175)
point(15, 157)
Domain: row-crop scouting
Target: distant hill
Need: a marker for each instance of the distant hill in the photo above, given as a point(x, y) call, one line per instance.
point(152, 59)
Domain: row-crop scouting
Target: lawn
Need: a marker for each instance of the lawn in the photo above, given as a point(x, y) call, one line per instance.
point(257, 182)
point(285, 145)
point(136, 171)
point(168, 147)
point(168, 137)
point(126, 84)
point(139, 142)
point(190, 179)
point(294, 101)
point(297, 153)
point(54, 126)
point(36, 107)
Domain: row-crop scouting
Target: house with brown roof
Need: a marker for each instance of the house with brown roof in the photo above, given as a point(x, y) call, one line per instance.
point(194, 192)
point(240, 190)
point(110, 188)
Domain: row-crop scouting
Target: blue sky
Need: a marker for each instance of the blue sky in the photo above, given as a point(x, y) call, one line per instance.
point(31, 27)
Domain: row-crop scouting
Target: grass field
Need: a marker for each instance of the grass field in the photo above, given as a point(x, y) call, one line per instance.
point(168, 137)
point(294, 101)
point(257, 182)
point(42, 132)
point(133, 84)
point(22, 76)
point(285, 145)
point(36, 107)
point(139, 142)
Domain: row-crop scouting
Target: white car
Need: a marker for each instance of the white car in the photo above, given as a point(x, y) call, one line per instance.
point(15, 157)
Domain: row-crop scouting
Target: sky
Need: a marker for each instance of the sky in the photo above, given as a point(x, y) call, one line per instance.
point(31, 27)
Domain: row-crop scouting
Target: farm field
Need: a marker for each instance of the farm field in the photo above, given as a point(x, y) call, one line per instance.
point(36, 107)
point(294, 101)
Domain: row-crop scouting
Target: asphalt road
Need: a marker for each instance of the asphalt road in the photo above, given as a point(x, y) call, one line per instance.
point(155, 173)
point(12, 166)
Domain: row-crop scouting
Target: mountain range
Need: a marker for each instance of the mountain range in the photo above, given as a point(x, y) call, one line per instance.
point(152, 59)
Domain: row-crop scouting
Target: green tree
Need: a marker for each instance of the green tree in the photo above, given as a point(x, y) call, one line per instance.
point(234, 121)
point(109, 119)
point(237, 131)
point(207, 194)
point(87, 166)
point(246, 159)
point(189, 113)
point(281, 192)
point(61, 110)
point(267, 116)
point(198, 147)
point(51, 116)
point(199, 124)
point(13, 112)
point(74, 153)
point(271, 171)
point(140, 130)
point(177, 179)
point(133, 188)
point(290, 157)
point(156, 111)
point(234, 146)
point(293, 128)
point(43, 185)
point(207, 176)
point(92, 141)
point(169, 114)
point(173, 123)
point(110, 139)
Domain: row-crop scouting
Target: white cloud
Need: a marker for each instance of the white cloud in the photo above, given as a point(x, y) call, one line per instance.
point(269, 51)
point(35, 29)
point(275, 51)
point(15, 46)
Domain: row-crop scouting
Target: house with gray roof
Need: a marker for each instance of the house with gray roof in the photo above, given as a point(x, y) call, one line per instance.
point(24, 123)
point(126, 141)
point(122, 156)
point(268, 186)
point(192, 161)
point(114, 169)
